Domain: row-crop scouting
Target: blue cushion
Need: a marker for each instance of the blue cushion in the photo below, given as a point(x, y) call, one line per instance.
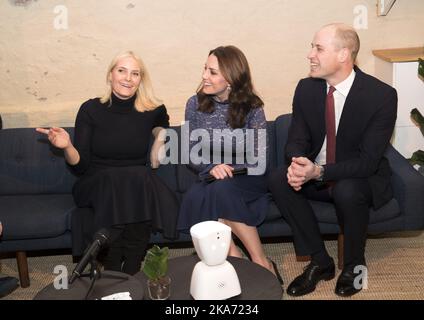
point(185, 177)
point(273, 213)
point(59, 242)
point(35, 216)
point(272, 155)
point(282, 124)
point(30, 165)
point(325, 212)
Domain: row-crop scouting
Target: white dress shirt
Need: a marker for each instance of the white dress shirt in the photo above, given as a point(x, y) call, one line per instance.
point(340, 94)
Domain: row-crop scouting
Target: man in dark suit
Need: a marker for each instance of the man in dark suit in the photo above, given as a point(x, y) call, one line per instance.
point(342, 122)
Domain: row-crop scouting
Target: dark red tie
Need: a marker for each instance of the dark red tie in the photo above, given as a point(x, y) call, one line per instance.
point(330, 126)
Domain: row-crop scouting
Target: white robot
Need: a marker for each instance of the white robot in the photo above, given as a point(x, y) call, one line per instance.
point(213, 278)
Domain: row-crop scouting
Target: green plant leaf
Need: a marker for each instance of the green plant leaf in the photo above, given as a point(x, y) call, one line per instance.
point(418, 119)
point(156, 262)
point(417, 158)
point(421, 68)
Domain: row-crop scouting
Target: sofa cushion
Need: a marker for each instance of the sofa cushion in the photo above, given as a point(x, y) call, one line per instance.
point(185, 178)
point(325, 212)
point(274, 213)
point(282, 124)
point(30, 165)
point(272, 154)
point(35, 216)
point(183, 175)
point(389, 211)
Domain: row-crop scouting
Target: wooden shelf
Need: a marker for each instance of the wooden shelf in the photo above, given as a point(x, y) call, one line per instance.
point(400, 55)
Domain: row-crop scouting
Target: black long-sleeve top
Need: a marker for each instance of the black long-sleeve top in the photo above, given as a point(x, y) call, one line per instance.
point(114, 135)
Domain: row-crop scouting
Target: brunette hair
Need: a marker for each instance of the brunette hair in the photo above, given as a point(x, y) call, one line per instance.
point(242, 97)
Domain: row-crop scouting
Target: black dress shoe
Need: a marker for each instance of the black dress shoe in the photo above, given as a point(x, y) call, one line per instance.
point(7, 285)
point(345, 286)
point(308, 280)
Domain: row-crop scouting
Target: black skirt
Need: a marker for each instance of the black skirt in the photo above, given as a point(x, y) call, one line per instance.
point(124, 195)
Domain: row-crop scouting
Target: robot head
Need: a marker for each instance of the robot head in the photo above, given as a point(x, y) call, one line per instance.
point(211, 240)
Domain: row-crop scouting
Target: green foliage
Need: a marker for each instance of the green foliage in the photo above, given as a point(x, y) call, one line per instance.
point(421, 68)
point(418, 156)
point(156, 263)
point(418, 119)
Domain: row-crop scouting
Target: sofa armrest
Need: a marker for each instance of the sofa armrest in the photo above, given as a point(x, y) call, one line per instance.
point(408, 189)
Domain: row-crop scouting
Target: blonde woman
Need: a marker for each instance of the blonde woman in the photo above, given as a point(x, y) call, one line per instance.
point(110, 156)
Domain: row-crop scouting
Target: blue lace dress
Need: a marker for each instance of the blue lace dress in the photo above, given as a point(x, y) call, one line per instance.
point(243, 198)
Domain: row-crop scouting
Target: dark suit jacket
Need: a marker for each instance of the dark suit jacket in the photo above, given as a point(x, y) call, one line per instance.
point(365, 128)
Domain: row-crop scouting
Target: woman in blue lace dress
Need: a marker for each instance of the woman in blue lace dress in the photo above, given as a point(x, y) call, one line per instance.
point(227, 129)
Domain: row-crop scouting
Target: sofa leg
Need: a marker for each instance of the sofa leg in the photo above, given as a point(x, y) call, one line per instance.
point(303, 258)
point(22, 262)
point(340, 248)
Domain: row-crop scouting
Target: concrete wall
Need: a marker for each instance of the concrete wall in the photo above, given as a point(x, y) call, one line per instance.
point(54, 53)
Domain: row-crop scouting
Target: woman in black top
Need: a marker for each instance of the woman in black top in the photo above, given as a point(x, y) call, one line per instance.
point(110, 153)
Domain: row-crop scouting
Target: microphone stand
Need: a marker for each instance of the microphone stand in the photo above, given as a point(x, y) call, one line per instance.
point(95, 274)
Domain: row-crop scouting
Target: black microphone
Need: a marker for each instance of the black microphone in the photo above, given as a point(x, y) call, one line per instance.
point(100, 238)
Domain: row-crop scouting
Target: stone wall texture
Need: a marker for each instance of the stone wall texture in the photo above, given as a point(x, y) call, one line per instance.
point(54, 54)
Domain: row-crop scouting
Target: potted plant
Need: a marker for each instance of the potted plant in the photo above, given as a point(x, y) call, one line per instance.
point(156, 270)
point(417, 158)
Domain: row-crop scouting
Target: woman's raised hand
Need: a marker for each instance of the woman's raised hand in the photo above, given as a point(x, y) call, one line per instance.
point(58, 137)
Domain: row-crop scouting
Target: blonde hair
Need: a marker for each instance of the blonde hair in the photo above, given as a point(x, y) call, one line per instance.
point(145, 98)
point(346, 37)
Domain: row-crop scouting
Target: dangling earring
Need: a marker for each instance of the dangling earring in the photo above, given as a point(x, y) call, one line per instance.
point(229, 88)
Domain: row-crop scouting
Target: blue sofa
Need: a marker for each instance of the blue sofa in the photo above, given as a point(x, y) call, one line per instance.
point(38, 211)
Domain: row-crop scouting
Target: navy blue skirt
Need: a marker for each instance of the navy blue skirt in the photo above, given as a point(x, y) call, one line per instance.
point(241, 198)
